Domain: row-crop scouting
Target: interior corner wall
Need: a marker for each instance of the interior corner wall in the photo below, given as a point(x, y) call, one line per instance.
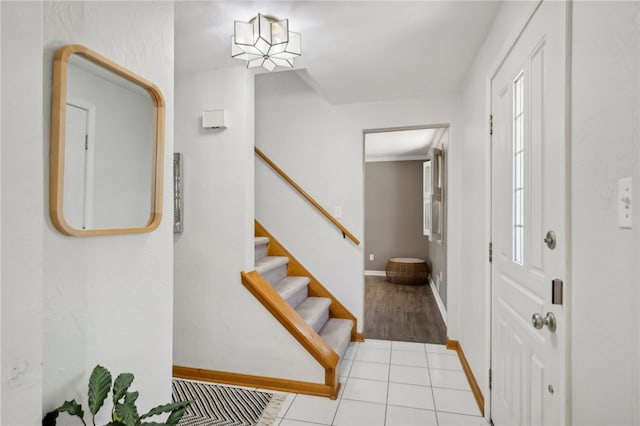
point(467, 303)
point(219, 325)
point(320, 146)
point(604, 103)
point(22, 214)
point(438, 249)
point(393, 212)
point(108, 299)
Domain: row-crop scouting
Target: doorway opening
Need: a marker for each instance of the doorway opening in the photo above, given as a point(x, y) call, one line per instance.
point(405, 193)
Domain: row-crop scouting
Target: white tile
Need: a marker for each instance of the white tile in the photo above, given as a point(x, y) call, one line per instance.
point(451, 419)
point(313, 409)
point(409, 375)
point(350, 353)
point(405, 416)
point(373, 355)
point(446, 362)
point(365, 390)
point(378, 344)
point(345, 367)
point(408, 346)
point(451, 379)
point(414, 359)
point(410, 396)
point(291, 422)
point(370, 370)
point(455, 401)
point(356, 413)
point(438, 349)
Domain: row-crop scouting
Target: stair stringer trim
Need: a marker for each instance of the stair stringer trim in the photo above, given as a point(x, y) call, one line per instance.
point(300, 330)
point(262, 382)
point(316, 289)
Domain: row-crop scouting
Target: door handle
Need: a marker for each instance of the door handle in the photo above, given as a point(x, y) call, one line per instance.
point(538, 321)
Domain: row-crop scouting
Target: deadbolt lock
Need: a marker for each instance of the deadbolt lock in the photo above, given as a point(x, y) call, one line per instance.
point(550, 239)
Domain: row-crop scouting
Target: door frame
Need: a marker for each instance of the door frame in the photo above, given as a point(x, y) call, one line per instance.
point(446, 126)
point(493, 70)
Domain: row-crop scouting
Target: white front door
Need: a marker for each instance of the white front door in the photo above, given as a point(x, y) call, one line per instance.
point(528, 200)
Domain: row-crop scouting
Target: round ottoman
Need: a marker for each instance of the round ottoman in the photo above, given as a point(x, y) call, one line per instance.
point(407, 270)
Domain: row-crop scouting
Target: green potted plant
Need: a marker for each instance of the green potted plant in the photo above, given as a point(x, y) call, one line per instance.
point(124, 412)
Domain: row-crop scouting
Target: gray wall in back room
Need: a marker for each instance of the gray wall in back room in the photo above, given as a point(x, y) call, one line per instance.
point(393, 212)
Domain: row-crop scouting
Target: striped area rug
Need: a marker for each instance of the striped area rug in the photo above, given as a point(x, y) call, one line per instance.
point(225, 405)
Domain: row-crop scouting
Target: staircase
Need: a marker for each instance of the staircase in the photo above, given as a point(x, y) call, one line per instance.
point(295, 291)
point(311, 314)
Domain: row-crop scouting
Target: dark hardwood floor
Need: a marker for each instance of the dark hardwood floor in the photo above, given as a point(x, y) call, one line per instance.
point(401, 312)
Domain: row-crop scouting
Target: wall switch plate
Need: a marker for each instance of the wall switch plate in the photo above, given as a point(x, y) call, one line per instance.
point(624, 202)
point(371, 257)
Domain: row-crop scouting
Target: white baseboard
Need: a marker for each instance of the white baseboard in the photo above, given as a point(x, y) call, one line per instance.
point(443, 310)
point(375, 273)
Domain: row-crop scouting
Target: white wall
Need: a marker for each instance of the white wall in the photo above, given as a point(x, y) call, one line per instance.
point(106, 299)
point(219, 325)
point(321, 147)
point(604, 294)
point(23, 214)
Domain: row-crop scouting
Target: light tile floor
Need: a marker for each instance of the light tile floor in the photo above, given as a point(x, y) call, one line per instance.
point(391, 383)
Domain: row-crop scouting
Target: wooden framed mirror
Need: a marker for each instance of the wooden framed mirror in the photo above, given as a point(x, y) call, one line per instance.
point(107, 147)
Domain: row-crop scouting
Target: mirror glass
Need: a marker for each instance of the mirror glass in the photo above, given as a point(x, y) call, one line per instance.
point(106, 147)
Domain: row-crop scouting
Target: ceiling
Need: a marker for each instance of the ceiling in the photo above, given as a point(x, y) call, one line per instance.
point(400, 145)
point(352, 51)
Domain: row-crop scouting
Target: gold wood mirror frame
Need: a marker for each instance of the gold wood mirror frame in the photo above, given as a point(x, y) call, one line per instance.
point(103, 69)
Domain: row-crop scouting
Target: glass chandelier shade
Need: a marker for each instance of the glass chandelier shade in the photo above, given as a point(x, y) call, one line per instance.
point(265, 42)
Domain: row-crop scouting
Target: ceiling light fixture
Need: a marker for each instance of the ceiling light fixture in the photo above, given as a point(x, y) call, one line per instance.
point(265, 42)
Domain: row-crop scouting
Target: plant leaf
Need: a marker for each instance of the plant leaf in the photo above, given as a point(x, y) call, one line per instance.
point(72, 407)
point(166, 408)
point(121, 385)
point(99, 387)
point(152, 424)
point(131, 397)
point(127, 414)
point(175, 416)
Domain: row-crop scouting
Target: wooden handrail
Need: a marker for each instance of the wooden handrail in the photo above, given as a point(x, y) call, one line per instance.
point(314, 203)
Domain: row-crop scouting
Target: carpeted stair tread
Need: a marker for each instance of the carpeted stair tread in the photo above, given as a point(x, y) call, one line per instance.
point(261, 247)
point(272, 268)
point(261, 241)
point(269, 263)
point(293, 289)
point(315, 311)
point(337, 333)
